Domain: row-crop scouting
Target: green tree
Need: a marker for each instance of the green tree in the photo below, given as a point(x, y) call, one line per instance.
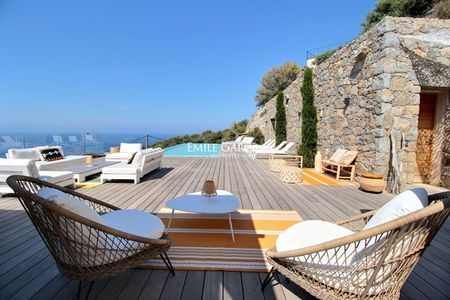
point(397, 8)
point(280, 119)
point(275, 80)
point(258, 135)
point(308, 146)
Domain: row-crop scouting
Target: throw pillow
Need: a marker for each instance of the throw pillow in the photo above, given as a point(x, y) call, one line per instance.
point(50, 154)
point(130, 160)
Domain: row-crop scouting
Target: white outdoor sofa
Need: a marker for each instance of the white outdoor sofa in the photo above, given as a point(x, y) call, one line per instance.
point(57, 165)
point(27, 167)
point(143, 163)
point(127, 150)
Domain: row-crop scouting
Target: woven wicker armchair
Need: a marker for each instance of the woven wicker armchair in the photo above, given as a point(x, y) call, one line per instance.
point(83, 249)
point(370, 264)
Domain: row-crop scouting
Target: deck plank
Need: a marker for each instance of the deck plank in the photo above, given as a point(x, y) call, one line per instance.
point(27, 269)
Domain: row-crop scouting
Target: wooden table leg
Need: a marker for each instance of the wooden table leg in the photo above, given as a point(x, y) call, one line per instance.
point(170, 220)
point(231, 226)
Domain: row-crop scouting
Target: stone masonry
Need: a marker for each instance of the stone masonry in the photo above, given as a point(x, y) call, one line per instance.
point(370, 89)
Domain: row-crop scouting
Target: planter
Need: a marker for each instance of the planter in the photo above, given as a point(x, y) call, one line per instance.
point(372, 183)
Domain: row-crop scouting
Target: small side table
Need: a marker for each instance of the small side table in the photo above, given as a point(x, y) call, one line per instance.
point(114, 149)
point(276, 165)
point(290, 174)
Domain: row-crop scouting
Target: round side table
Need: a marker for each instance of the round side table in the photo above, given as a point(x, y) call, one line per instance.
point(290, 174)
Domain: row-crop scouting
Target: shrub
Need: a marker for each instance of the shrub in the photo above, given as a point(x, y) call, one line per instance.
point(308, 146)
point(207, 136)
point(442, 9)
point(280, 119)
point(397, 8)
point(275, 80)
point(324, 56)
point(257, 134)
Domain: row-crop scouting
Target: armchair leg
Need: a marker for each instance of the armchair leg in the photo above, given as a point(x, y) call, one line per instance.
point(88, 292)
point(269, 277)
point(167, 262)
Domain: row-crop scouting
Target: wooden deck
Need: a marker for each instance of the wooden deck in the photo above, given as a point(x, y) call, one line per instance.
point(28, 271)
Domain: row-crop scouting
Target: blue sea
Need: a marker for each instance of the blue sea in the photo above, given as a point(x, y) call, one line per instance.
point(74, 143)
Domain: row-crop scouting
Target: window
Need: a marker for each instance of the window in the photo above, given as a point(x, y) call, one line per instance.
point(358, 66)
point(273, 122)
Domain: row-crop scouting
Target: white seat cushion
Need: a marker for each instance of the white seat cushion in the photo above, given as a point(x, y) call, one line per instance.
point(70, 203)
point(119, 156)
point(121, 168)
point(403, 204)
point(135, 222)
point(63, 164)
point(309, 233)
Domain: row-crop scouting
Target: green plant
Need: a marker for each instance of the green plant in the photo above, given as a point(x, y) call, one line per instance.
point(441, 9)
point(258, 135)
point(208, 136)
point(397, 8)
point(280, 119)
point(275, 80)
point(308, 146)
point(324, 56)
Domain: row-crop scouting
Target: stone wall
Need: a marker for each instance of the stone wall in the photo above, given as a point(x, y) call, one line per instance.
point(370, 89)
point(264, 117)
point(384, 98)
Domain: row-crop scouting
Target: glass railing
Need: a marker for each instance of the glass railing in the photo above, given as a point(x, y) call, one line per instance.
point(73, 144)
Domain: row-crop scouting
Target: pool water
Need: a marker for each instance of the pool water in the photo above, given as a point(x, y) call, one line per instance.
point(193, 149)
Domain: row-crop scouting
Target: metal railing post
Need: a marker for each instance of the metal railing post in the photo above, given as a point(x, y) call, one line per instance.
point(146, 141)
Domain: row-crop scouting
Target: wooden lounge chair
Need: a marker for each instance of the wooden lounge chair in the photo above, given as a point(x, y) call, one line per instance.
point(370, 264)
point(83, 249)
point(341, 164)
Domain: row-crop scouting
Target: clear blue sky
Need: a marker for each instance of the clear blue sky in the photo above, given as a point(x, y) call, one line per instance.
point(153, 66)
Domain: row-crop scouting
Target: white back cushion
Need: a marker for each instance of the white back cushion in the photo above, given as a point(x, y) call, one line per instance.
point(70, 203)
point(403, 204)
point(337, 156)
point(27, 153)
point(128, 147)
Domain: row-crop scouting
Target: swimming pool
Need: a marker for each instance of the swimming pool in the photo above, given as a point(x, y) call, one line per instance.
point(193, 149)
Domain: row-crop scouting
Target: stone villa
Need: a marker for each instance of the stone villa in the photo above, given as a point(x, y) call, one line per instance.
point(391, 80)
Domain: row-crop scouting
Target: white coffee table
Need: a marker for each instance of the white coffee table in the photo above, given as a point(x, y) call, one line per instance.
point(224, 203)
point(80, 172)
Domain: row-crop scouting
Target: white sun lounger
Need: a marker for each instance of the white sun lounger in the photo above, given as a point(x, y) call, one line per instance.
point(270, 143)
point(265, 153)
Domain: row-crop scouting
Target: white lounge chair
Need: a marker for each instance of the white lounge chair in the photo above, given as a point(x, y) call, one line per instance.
point(269, 144)
point(264, 153)
point(270, 148)
point(279, 147)
point(143, 163)
point(27, 167)
point(126, 151)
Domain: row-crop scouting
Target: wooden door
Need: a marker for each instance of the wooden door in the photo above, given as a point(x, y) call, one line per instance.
point(425, 138)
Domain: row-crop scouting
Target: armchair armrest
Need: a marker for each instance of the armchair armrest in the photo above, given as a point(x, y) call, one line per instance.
point(355, 222)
